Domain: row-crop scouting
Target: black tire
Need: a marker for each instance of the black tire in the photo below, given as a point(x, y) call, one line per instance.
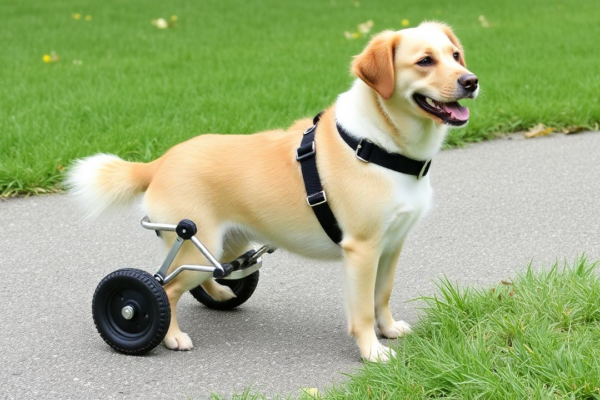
point(151, 311)
point(243, 289)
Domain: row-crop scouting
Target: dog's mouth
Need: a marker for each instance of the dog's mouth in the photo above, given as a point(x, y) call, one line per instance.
point(450, 113)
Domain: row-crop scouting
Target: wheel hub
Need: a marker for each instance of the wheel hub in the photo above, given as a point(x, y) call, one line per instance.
point(128, 312)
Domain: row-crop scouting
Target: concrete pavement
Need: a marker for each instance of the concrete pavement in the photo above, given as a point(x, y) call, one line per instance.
point(498, 206)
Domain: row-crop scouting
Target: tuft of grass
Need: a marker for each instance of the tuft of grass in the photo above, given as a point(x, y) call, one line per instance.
point(535, 337)
point(121, 85)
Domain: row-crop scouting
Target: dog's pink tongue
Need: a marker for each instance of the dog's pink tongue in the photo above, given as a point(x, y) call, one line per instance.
point(456, 111)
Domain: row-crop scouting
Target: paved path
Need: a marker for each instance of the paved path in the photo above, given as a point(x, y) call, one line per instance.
point(498, 205)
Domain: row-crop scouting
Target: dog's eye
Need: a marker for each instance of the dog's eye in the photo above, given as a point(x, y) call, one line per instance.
point(425, 61)
point(456, 56)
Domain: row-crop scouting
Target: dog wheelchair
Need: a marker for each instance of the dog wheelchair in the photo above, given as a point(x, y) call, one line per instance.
point(130, 308)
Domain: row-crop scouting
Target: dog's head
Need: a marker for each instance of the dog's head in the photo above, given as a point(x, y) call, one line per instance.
point(421, 70)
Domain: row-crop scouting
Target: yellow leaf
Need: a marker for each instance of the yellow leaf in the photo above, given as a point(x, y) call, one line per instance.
point(539, 130)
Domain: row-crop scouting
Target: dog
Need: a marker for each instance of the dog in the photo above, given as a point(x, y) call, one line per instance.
point(249, 188)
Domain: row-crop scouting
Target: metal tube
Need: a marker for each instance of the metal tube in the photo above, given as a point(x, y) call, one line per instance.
point(201, 268)
point(206, 253)
point(145, 222)
point(162, 271)
point(196, 268)
point(260, 252)
point(255, 260)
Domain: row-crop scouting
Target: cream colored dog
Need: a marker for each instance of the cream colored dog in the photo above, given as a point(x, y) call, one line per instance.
point(242, 188)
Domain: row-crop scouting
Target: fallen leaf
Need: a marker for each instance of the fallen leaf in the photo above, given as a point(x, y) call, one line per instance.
point(539, 130)
point(484, 22)
point(574, 129)
point(51, 58)
point(312, 392)
point(365, 27)
point(160, 23)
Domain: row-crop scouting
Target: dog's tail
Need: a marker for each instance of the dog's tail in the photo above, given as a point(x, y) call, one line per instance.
point(105, 182)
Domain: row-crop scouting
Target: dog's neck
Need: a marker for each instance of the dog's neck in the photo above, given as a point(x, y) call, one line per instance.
point(388, 124)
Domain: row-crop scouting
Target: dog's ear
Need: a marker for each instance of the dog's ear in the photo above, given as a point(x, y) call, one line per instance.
point(448, 32)
point(375, 65)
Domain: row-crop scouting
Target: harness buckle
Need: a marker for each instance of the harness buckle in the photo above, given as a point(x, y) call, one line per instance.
point(317, 199)
point(424, 169)
point(364, 150)
point(309, 130)
point(303, 152)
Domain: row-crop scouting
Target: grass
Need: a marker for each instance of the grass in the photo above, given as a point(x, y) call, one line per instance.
point(537, 337)
point(124, 86)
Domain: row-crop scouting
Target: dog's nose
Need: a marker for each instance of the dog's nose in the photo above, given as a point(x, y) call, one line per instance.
point(469, 82)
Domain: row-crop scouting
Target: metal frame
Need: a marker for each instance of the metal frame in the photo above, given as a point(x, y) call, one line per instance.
point(245, 265)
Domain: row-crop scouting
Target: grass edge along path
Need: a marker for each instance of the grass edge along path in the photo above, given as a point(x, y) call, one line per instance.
point(536, 337)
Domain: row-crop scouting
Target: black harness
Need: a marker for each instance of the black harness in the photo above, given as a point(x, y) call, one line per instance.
point(366, 151)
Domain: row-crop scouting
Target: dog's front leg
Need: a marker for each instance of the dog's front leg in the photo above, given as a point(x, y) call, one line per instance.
point(383, 290)
point(361, 259)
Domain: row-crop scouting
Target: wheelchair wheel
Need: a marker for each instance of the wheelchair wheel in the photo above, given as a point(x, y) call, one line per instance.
point(243, 289)
point(131, 311)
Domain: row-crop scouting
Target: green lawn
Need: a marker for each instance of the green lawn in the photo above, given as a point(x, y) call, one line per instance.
point(122, 85)
point(537, 337)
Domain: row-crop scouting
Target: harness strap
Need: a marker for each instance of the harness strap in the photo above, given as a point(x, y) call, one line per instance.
point(316, 197)
point(367, 151)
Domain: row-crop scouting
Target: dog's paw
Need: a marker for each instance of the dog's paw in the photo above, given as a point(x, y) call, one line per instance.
point(396, 330)
point(178, 341)
point(379, 353)
point(217, 291)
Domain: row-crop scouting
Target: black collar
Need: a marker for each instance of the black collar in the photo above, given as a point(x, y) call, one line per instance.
point(367, 151)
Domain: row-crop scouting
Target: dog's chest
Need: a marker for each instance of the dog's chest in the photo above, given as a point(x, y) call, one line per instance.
point(410, 201)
